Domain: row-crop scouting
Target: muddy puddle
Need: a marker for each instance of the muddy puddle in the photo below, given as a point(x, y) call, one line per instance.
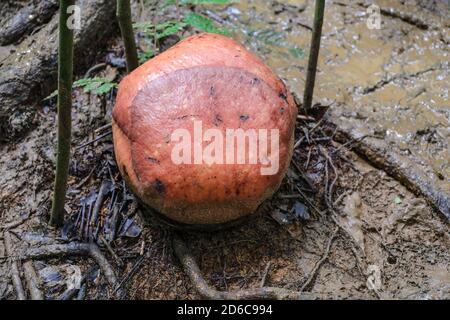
point(391, 84)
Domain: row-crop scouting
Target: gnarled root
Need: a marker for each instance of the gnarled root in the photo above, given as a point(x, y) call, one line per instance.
point(195, 275)
point(69, 249)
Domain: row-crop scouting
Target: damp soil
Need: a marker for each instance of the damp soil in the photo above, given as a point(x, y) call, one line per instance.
point(391, 84)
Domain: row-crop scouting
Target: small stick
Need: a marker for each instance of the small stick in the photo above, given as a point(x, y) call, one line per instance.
point(104, 188)
point(85, 179)
point(131, 273)
point(93, 140)
point(320, 262)
point(266, 271)
point(344, 145)
point(94, 68)
point(119, 261)
point(309, 132)
point(308, 159)
point(15, 274)
point(32, 281)
point(305, 118)
point(309, 201)
point(330, 161)
point(305, 177)
point(104, 127)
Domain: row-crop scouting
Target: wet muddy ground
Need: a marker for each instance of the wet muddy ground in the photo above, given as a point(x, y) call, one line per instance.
point(390, 84)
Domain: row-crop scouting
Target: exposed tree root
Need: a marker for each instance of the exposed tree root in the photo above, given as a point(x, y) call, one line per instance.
point(401, 76)
point(69, 249)
point(15, 274)
point(32, 281)
point(73, 248)
point(405, 17)
point(417, 181)
point(13, 224)
point(195, 275)
point(397, 14)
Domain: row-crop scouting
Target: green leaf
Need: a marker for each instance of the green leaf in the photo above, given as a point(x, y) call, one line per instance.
point(97, 85)
point(161, 30)
point(167, 3)
point(203, 23)
point(144, 56)
point(52, 95)
point(297, 52)
point(144, 26)
point(200, 2)
point(168, 28)
point(105, 88)
point(91, 86)
point(397, 200)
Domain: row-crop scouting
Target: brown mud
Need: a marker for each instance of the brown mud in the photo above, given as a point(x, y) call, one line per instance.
point(389, 84)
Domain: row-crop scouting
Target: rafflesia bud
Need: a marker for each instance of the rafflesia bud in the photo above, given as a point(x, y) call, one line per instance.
point(203, 133)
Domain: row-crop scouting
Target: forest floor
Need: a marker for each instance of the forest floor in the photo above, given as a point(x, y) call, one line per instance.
point(337, 228)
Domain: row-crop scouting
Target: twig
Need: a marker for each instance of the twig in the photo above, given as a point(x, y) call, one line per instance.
point(15, 274)
point(299, 141)
point(32, 281)
point(319, 263)
point(131, 273)
point(266, 271)
point(104, 127)
point(119, 261)
point(305, 118)
point(104, 189)
point(94, 68)
point(329, 192)
point(308, 159)
point(344, 145)
point(85, 179)
point(191, 268)
point(305, 177)
point(93, 140)
point(309, 201)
